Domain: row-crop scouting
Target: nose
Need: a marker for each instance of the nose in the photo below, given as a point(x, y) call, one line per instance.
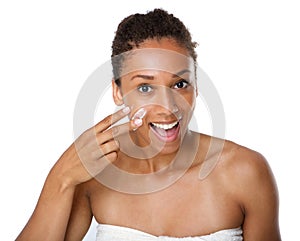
point(166, 100)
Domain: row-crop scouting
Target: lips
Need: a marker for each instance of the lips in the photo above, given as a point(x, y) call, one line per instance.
point(166, 132)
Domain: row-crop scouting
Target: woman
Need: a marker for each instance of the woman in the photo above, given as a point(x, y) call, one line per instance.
point(177, 183)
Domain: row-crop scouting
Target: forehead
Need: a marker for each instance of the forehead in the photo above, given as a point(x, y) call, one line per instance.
point(156, 59)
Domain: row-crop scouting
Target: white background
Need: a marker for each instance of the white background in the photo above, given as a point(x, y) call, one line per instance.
point(249, 49)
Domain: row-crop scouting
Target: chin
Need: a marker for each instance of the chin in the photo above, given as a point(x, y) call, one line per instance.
point(166, 142)
point(170, 148)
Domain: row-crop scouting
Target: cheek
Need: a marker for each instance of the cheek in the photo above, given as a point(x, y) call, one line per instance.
point(128, 94)
point(191, 100)
point(134, 101)
point(187, 100)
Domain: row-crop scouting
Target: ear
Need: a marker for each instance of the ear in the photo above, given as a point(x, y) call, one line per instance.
point(117, 93)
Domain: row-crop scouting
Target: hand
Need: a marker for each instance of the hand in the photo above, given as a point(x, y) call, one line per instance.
point(93, 150)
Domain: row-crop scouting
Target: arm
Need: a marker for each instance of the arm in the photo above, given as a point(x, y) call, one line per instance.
point(81, 215)
point(50, 217)
point(62, 213)
point(94, 149)
point(259, 199)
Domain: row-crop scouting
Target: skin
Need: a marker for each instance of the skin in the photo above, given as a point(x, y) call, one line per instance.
point(239, 191)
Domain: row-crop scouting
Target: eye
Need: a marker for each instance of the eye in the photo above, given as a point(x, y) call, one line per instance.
point(145, 88)
point(181, 84)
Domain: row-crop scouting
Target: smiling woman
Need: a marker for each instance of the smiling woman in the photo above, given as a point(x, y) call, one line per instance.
point(152, 163)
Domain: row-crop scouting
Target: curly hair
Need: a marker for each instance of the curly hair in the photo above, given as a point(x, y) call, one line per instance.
point(155, 24)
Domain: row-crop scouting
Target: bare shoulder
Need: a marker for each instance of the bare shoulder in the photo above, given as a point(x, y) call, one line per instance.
point(245, 164)
point(224, 159)
point(250, 177)
point(231, 159)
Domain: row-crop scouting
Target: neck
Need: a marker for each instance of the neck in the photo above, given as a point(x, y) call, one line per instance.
point(146, 175)
point(142, 163)
point(145, 165)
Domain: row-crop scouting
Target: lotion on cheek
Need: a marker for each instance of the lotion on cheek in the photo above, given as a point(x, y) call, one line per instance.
point(138, 116)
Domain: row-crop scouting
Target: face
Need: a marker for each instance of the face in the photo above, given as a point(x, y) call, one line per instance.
point(159, 77)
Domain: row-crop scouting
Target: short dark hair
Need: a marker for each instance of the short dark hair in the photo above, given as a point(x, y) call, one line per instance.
point(155, 24)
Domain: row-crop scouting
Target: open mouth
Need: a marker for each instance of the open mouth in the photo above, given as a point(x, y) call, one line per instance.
point(166, 132)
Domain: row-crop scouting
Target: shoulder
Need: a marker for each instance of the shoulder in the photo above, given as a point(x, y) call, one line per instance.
point(232, 160)
point(236, 168)
point(218, 156)
point(248, 173)
point(244, 163)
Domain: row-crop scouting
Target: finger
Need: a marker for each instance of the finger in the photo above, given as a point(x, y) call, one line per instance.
point(100, 164)
point(107, 159)
point(111, 157)
point(111, 119)
point(108, 147)
point(118, 130)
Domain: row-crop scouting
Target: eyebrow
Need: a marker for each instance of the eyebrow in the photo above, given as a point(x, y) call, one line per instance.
point(151, 77)
point(143, 76)
point(182, 72)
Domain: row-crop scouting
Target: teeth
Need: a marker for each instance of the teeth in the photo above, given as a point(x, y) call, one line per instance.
point(165, 126)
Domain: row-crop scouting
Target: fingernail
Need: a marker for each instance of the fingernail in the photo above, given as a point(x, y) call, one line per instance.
point(126, 110)
point(138, 122)
point(139, 114)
